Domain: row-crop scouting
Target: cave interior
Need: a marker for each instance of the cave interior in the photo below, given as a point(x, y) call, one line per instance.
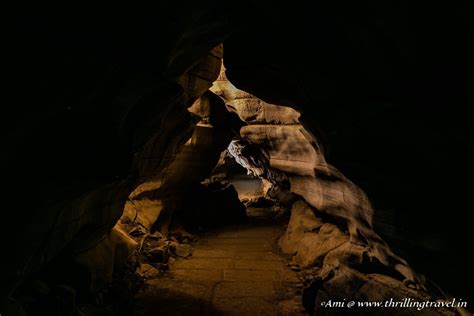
point(246, 158)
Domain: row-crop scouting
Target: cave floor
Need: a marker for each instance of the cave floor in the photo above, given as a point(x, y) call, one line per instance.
point(234, 270)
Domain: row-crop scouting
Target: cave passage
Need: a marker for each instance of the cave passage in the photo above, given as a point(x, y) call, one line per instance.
point(208, 227)
point(217, 158)
point(248, 199)
point(233, 270)
point(240, 215)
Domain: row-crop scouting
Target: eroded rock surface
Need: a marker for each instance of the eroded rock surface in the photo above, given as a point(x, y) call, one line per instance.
point(287, 155)
point(146, 129)
point(99, 105)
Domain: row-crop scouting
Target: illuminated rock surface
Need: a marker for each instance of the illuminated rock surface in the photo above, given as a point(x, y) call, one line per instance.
point(109, 117)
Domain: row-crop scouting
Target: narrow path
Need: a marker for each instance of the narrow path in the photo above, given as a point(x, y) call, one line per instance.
point(233, 271)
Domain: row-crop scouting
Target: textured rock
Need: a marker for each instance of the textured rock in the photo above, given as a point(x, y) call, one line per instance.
point(182, 250)
point(255, 161)
point(148, 271)
point(390, 98)
point(313, 247)
point(108, 256)
point(288, 147)
point(251, 109)
point(144, 211)
point(107, 116)
point(338, 197)
point(200, 78)
point(157, 254)
point(291, 158)
point(347, 254)
point(153, 203)
point(347, 285)
point(392, 104)
point(302, 220)
point(342, 238)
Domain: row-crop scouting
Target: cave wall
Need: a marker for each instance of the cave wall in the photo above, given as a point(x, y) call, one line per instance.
point(330, 234)
point(99, 107)
point(198, 150)
point(387, 88)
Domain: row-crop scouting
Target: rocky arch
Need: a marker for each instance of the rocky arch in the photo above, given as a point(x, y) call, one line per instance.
point(96, 112)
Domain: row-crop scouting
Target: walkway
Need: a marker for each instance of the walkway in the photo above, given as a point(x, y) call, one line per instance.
point(233, 271)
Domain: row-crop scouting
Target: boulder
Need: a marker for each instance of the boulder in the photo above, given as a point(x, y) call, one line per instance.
point(181, 250)
point(148, 271)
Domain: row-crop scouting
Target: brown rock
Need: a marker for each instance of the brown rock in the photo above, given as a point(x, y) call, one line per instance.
point(302, 220)
point(251, 109)
point(345, 284)
point(106, 257)
point(148, 271)
point(312, 247)
point(181, 250)
point(348, 253)
point(158, 254)
point(289, 147)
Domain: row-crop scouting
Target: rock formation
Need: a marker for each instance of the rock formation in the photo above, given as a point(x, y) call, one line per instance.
point(341, 243)
point(101, 108)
